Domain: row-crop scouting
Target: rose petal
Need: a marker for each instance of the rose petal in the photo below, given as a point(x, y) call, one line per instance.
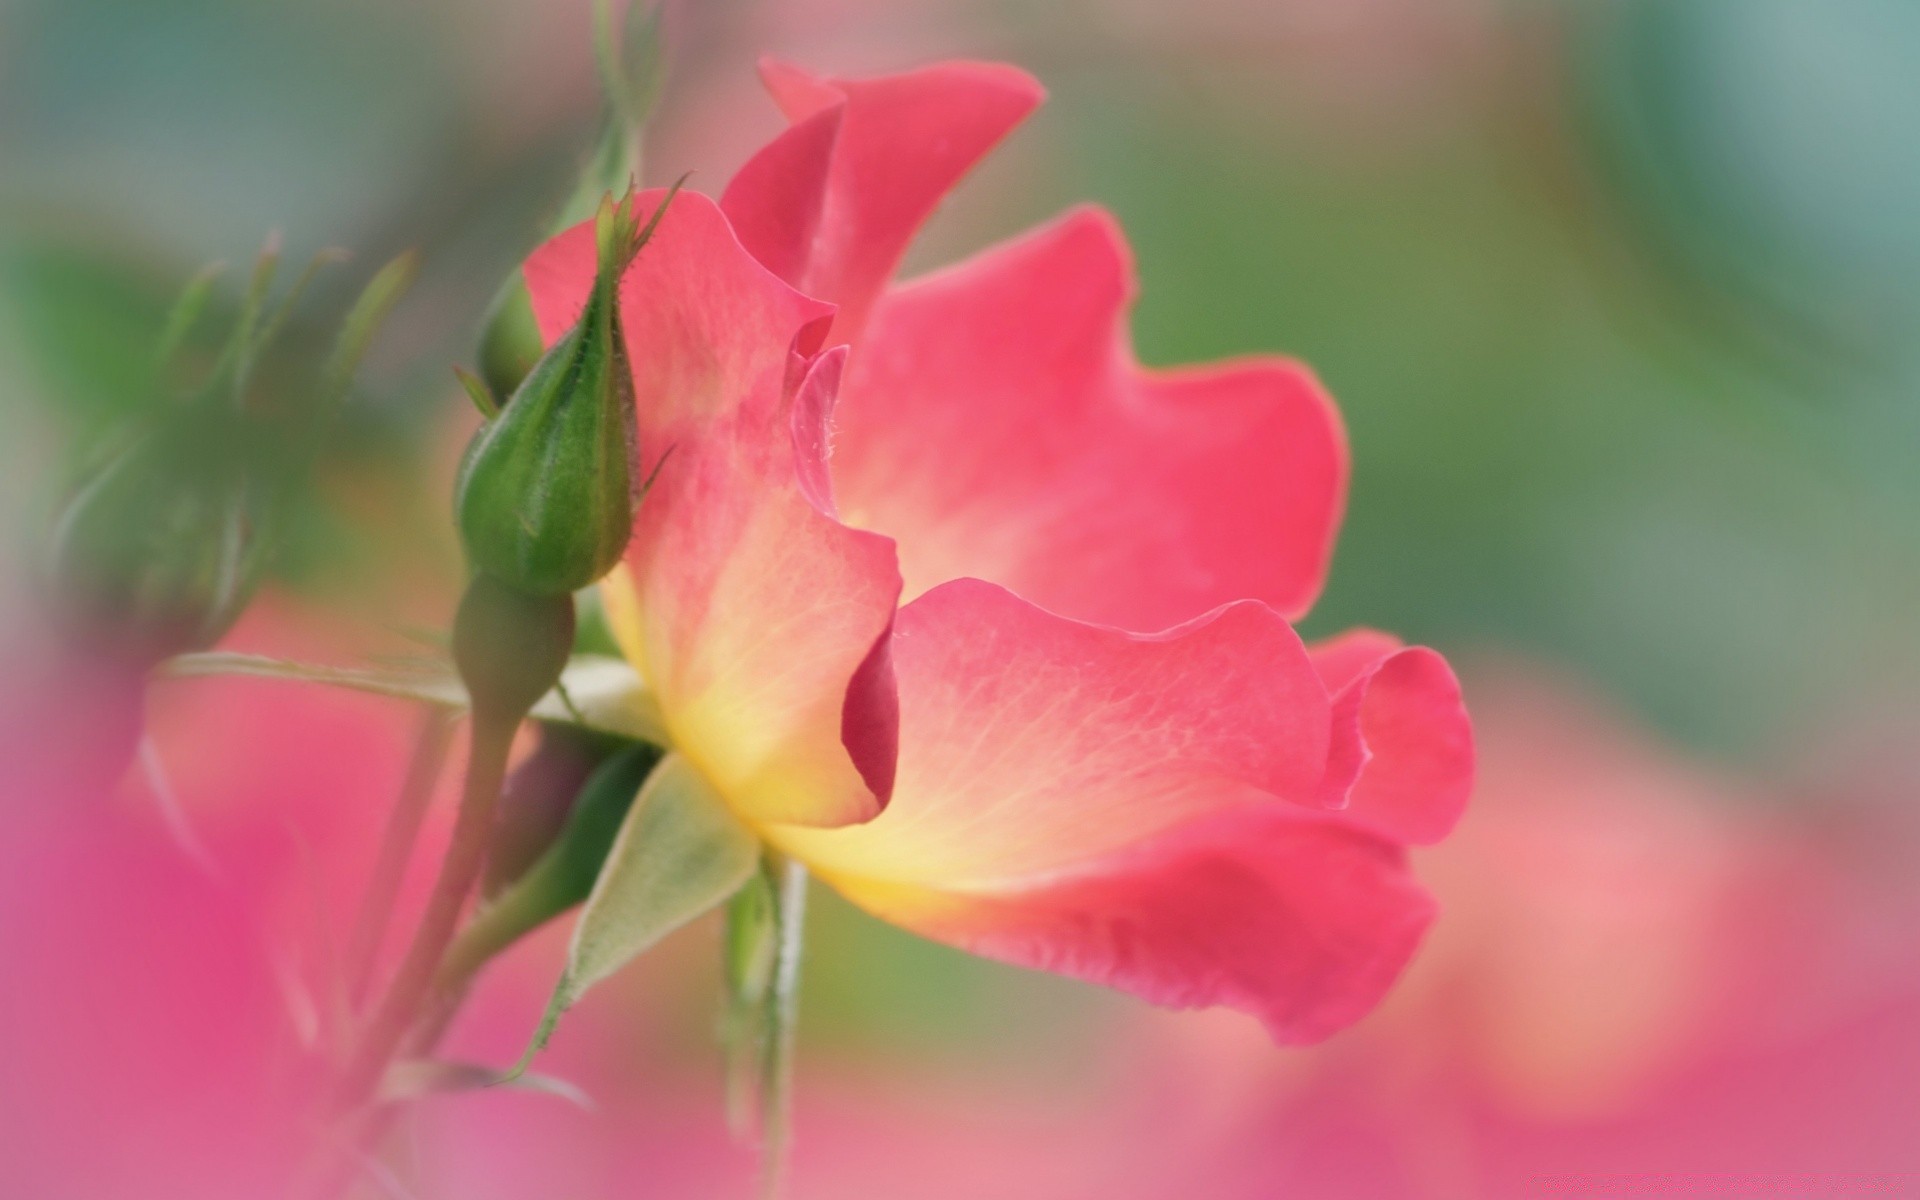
point(775, 201)
point(1107, 805)
point(1031, 744)
point(1402, 758)
point(995, 422)
point(1300, 920)
point(854, 197)
point(759, 620)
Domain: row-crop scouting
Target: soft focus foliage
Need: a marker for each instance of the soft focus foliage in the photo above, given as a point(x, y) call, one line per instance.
point(1618, 301)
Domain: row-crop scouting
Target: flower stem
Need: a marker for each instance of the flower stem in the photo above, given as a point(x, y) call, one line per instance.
point(396, 848)
point(783, 1016)
point(491, 743)
point(478, 943)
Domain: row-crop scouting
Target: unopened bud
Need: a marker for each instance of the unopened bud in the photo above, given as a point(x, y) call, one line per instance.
point(545, 498)
point(163, 542)
point(157, 552)
point(510, 345)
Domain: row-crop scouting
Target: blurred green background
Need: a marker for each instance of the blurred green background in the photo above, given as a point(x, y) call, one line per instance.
point(1619, 299)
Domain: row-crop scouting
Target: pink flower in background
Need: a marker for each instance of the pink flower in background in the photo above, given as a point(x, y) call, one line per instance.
point(171, 977)
point(937, 594)
point(1089, 741)
point(1642, 970)
point(1646, 974)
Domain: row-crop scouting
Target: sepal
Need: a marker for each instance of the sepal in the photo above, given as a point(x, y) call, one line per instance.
point(679, 853)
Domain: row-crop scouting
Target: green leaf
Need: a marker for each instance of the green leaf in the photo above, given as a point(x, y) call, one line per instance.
point(431, 682)
point(478, 392)
point(679, 853)
point(564, 874)
point(510, 341)
point(572, 866)
point(370, 310)
point(414, 1078)
point(607, 694)
point(233, 361)
point(187, 311)
point(269, 330)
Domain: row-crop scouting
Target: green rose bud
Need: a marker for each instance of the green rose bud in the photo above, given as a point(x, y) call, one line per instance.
point(545, 496)
point(164, 538)
point(633, 69)
point(158, 551)
point(510, 346)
